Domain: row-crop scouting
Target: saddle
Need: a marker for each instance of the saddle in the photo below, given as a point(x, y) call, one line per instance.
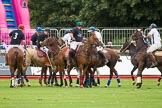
point(158, 52)
point(40, 53)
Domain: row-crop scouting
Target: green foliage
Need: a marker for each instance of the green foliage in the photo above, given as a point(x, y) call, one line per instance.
point(101, 13)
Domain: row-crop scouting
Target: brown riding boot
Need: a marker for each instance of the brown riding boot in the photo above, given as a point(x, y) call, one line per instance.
point(102, 54)
point(152, 60)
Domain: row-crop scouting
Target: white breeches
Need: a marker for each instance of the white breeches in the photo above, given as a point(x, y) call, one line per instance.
point(44, 49)
point(74, 44)
point(154, 47)
point(11, 46)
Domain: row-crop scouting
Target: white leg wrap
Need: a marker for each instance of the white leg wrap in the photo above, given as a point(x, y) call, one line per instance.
point(78, 76)
point(28, 83)
point(12, 81)
point(98, 73)
point(17, 79)
point(138, 79)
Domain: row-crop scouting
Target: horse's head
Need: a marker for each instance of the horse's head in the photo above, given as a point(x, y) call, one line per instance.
point(51, 41)
point(137, 34)
point(127, 45)
point(93, 40)
point(60, 41)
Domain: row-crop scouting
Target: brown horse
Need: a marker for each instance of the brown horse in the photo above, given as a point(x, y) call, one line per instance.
point(98, 61)
point(142, 57)
point(129, 45)
point(15, 62)
point(58, 57)
point(81, 58)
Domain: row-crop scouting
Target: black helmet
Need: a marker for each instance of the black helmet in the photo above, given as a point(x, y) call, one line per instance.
point(47, 29)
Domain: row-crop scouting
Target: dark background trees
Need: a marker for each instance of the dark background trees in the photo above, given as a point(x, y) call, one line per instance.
point(100, 13)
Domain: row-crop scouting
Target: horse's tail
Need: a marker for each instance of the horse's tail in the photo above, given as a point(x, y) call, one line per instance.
point(15, 59)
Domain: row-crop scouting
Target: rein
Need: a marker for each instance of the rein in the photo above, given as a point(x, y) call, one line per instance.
point(62, 46)
point(127, 46)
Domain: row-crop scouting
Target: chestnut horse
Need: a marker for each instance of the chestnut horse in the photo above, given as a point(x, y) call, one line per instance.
point(58, 57)
point(81, 58)
point(129, 45)
point(142, 57)
point(15, 62)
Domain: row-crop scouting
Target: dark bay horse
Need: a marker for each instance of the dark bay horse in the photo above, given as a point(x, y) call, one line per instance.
point(112, 56)
point(130, 46)
point(15, 62)
point(142, 57)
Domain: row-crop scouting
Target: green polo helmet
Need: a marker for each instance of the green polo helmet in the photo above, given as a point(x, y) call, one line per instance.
point(79, 23)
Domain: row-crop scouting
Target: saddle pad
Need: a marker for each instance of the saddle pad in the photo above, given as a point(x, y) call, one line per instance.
point(158, 53)
point(40, 53)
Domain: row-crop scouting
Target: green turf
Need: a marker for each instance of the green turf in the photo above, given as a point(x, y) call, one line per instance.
point(127, 96)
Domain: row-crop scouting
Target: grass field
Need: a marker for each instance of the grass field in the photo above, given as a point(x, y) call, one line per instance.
point(127, 96)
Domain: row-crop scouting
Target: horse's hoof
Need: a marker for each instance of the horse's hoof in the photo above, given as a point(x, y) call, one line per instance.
point(95, 84)
point(48, 85)
point(56, 84)
point(133, 83)
point(29, 85)
point(98, 85)
point(61, 85)
point(106, 86)
point(70, 85)
point(21, 85)
point(11, 86)
point(138, 85)
point(158, 84)
point(81, 86)
point(66, 86)
point(119, 85)
point(77, 85)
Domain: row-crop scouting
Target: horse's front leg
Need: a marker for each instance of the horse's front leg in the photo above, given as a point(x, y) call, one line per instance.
point(117, 76)
point(64, 73)
point(110, 78)
point(50, 77)
point(81, 75)
point(92, 79)
point(132, 76)
point(139, 75)
point(87, 79)
point(41, 76)
point(68, 72)
point(27, 80)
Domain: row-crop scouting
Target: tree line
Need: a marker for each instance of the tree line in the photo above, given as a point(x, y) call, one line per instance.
point(100, 13)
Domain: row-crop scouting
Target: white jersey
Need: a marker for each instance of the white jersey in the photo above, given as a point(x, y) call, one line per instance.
point(67, 38)
point(155, 36)
point(98, 35)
